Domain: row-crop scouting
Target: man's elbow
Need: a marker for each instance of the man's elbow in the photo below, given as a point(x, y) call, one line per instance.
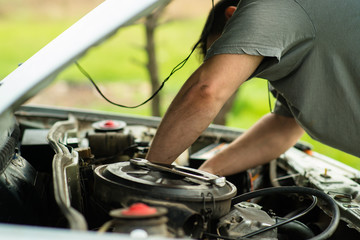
point(205, 91)
point(206, 88)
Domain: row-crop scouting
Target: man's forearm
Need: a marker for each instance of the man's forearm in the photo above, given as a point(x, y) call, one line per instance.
point(180, 127)
point(266, 140)
point(198, 102)
point(188, 116)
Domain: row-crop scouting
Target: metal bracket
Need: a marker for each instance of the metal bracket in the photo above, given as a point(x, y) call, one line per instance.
point(212, 179)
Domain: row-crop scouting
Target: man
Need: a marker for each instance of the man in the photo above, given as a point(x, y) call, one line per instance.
point(306, 49)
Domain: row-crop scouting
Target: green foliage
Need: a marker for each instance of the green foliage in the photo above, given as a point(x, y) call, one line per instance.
point(21, 39)
point(122, 59)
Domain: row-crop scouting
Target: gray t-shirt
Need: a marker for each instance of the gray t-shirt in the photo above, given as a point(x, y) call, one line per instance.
point(311, 51)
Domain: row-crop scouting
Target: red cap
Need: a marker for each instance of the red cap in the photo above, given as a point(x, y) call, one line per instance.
point(109, 123)
point(139, 209)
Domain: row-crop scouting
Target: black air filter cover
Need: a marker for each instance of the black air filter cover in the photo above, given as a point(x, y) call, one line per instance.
point(123, 183)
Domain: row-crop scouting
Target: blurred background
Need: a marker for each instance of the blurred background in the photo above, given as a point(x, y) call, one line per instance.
point(120, 65)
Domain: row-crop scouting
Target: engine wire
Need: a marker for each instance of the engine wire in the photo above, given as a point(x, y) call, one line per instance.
point(175, 69)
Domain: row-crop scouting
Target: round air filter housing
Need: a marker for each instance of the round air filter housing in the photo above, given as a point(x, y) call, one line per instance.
point(123, 183)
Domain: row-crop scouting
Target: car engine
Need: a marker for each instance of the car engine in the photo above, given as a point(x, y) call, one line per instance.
point(87, 171)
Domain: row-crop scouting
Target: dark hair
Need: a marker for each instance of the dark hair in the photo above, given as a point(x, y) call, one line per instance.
point(215, 22)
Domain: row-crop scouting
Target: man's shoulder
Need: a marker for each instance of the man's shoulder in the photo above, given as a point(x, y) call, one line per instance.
point(265, 27)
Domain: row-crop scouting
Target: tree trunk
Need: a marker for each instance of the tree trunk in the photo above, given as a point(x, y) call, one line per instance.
point(150, 25)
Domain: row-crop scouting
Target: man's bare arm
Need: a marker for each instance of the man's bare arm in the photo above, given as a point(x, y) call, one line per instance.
point(267, 139)
point(198, 102)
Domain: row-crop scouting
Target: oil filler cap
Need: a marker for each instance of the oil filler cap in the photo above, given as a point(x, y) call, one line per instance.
point(139, 209)
point(109, 125)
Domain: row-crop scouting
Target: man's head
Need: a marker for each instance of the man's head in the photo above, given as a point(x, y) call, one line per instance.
point(215, 23)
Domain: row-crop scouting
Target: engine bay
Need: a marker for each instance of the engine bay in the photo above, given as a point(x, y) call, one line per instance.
point(87, 171)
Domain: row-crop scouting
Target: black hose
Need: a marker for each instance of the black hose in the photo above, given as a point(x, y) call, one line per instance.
point(278, 224)
point(301, 190)
point(295, 230)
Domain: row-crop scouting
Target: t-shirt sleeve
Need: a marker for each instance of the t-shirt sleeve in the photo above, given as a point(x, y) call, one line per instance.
point(277, 29)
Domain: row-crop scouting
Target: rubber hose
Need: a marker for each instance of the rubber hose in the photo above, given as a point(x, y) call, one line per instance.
point(295, 230)
point(302, 190)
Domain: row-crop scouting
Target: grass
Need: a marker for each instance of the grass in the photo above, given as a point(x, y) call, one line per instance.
point(21, 39)
point(122, 59)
